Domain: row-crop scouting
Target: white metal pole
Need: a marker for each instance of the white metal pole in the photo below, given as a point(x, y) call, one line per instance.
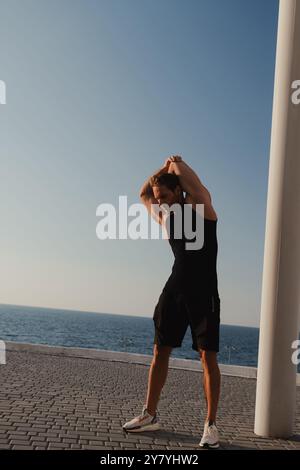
point(276, 376)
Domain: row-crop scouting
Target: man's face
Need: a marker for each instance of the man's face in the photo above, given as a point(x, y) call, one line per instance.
point(165, 195)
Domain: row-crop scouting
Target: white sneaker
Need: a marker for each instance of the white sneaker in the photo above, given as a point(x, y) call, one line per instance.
point(143, 422)
point(210, 438)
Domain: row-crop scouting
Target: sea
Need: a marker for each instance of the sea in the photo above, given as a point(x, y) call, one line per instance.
point(71, 328)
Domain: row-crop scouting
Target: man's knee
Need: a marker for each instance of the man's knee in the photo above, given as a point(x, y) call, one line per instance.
point(161, 352)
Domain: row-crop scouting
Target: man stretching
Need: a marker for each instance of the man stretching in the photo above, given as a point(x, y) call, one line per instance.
point(189, 297)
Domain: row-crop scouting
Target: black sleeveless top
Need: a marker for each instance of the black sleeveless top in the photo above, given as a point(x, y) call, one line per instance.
point(194, 271)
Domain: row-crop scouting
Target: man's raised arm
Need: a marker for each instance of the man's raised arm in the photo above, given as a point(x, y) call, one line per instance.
point(147, 196)
point(189, 180)
point(146, 190)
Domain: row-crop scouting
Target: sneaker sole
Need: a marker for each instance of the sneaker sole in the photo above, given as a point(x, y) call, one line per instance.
point(150, 427)
point(210, 446)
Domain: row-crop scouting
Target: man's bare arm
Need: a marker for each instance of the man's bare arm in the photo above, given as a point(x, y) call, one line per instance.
point(146, 190)
point(189, 180)
point(146, 193)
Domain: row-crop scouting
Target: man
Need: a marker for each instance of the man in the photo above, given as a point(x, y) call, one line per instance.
point(189, 297)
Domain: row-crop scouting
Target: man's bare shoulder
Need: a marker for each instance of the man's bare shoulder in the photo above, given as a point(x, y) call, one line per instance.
point(209, 212)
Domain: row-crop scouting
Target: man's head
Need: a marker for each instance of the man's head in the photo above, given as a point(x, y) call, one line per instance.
point(166, 189)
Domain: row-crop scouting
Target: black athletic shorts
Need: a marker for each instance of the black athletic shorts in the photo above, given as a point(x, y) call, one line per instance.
point(175, 311)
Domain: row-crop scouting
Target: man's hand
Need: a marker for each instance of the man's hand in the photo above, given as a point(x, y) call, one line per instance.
point(173, 158)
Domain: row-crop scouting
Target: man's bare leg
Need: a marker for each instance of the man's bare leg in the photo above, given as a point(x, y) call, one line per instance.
point(211, 382)
point(157, 376)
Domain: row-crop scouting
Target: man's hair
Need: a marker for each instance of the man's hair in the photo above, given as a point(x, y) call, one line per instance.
point(170, 180)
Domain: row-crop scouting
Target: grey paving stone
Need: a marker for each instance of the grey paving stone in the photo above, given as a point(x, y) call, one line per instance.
point(22, 447)
point(58, 402)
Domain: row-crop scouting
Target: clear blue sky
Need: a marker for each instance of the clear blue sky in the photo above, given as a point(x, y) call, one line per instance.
point(99, 93)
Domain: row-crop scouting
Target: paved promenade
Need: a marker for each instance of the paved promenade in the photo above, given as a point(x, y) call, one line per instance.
point(54, 398)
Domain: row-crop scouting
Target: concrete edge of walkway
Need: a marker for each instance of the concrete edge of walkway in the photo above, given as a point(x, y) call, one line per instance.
point(132, 358)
